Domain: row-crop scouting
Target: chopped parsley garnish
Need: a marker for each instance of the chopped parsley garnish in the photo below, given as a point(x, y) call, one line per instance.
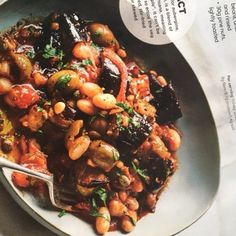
point(30, 53)
point(50, 52)
point(61, 65)
point(87, 62)
point(101, 194)
point(95, 213)
point(62, 213)
point(119, 122)
point(95, 46)
point(63, 81)
point(135, 123)
point(81, 65)
point(118, 119)
point(133, 221)
point(39, 109)
point(139, 171)
point(126, 107)
point(76, 66)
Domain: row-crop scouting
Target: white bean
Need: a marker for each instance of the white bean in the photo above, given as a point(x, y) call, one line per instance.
point(59, 107)
point(173, 140)
point(73, 132)
point(126, 224)
point(129, 221)
point(86, 106)
point(79, 147)
point(104, 101)
point(132, 203)
point(90, 89)
point(117, 208)
point(103, 221)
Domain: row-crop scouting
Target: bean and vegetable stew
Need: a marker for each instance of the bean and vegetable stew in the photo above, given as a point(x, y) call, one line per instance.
point(75, 105)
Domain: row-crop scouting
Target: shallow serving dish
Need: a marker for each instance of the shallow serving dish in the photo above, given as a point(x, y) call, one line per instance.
point(194, 186)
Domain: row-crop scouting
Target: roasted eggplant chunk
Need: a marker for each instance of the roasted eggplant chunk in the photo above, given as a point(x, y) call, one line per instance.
point(73, 30)
point(110, 78)
point(165, 101)
point(60, 32)
point(159, 170)
point(136, 132)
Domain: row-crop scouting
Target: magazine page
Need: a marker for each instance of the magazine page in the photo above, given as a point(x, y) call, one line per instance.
point(184, 52)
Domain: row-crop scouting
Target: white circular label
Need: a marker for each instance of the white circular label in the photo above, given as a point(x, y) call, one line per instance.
point(158, 21)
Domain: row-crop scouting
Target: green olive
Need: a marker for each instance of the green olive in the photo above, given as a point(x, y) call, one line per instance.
point(66, 80)
point(103, 155)
point(102, 35)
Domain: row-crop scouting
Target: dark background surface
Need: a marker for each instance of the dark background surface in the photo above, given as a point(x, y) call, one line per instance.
point(15, 221)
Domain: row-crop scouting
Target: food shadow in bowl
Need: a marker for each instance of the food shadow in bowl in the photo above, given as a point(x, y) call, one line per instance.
point(194, 186)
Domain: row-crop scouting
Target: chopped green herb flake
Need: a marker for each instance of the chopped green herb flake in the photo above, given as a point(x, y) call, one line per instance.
point(135, 123)
point(118, 119)
point(126, 107)
point(76, 66)
point(50, 52)
point(133, 221)
point(39, 109)
point(139, 171)
point(94, 213)
point(94, 204)
point(63, 81)
point(30, 54)
point(101, 194)
point(62, 213)
point(61, 65)
point(95, 46)
point(87, 62)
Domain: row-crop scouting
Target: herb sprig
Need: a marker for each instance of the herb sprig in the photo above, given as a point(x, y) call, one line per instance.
point(101, 194)
point(62, 213)
point(30, 53)
point(139, 171)
point(126, 107)
point(63, 81)
point(50, 52)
